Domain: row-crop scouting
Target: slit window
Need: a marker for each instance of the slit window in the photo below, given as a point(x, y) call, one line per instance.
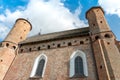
point(38, 48)
point(58, 45)
point(69, 44)
point(48, 46)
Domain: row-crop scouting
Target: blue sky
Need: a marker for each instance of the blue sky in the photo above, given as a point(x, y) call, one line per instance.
point(55, 15)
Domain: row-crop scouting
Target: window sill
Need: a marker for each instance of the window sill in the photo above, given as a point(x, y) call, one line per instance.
point(35, 77)
point(78, 76)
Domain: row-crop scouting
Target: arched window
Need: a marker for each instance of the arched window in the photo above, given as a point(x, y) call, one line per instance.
point(39, 66)
point(78, 64)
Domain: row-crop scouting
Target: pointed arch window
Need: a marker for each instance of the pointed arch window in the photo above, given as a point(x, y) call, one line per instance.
point(39, 66)
point(78, 64)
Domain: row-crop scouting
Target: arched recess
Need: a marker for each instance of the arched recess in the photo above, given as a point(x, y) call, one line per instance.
point(41, 59)
point(81, 54)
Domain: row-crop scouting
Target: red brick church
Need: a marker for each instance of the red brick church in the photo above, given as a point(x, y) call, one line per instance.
point(89, 53)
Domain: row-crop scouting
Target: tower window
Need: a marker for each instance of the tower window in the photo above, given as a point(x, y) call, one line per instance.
point(7, 44)
point(100, 66)
point(78, 66)
point(14, 47)
point(107, 36)
point(108, 43)
point(1, 60)
point(100, 21)
point(97, 37)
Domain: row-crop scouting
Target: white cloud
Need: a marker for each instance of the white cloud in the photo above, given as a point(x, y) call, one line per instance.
point(3, 31)
point(49, 16)
point(110, 6)
point(2, 17)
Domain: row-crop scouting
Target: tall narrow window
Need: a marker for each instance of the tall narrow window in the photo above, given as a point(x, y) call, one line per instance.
point(39, 66)
point(78, 66)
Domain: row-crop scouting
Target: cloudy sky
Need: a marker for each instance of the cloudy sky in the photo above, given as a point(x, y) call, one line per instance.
point(48, 16)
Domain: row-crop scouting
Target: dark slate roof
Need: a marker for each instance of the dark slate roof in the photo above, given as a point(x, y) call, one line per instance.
point(57, 35)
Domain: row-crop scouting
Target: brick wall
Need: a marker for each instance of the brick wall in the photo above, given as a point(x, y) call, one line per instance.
point(57, 67)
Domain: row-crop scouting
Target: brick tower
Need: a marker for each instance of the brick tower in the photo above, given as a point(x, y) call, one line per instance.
point(106, 52)
point(9, 46)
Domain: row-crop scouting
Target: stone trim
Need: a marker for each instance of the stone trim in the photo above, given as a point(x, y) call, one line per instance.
point(72, 59)
point(36, 62)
